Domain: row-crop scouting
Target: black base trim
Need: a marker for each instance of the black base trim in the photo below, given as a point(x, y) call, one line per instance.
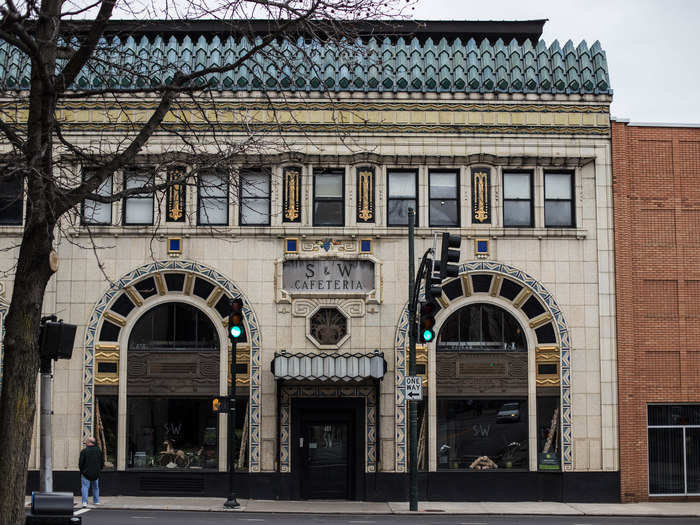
point(573, 487)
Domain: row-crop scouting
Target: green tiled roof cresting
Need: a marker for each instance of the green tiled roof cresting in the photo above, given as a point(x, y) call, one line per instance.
point(377, 66)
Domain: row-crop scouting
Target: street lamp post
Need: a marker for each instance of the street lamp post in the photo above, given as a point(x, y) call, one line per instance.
point(412, 412)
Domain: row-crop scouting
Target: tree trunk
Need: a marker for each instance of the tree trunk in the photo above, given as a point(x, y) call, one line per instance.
point(20, 368)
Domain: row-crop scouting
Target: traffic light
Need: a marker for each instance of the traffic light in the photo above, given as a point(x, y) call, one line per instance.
point(56, 339)
point(432, 284)
point(220, 405)
point(427, 322)
point(236, 330)
point(449, 255)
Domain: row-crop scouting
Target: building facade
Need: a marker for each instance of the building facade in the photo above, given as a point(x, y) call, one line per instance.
point(657, 222)
point(504, 144)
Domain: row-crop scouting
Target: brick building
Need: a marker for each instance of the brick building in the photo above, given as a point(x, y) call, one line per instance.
point(656, 193)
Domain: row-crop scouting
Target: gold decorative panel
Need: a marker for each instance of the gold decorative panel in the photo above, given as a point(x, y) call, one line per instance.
point(175, 196)
point(481, 203)
point(365, 194)
point(292, 194)
point(242, 358)
point(547, 365)
point(107, 368)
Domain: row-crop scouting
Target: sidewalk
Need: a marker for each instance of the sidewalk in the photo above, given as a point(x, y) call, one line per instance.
point(684, 509)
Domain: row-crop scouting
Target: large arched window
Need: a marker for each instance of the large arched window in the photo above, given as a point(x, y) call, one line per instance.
point(172, 372)
point(481, 327)
point(482, 390)
point(174, 326)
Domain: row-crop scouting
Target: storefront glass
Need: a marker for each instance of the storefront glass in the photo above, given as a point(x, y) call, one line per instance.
point(171, 433)
point(674, 449)
point(106, 428)
point(482, 433)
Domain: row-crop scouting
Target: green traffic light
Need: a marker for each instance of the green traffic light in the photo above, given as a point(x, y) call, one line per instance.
point(427, 335)
point(235, 331)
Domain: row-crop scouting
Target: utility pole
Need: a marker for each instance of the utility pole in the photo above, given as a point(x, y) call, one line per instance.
point(55, 342)
point(231, 502)
point(45, 443)
point(235, 331)
point(412, 412)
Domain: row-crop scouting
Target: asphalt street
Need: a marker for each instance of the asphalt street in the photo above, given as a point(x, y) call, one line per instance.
point(143, 517)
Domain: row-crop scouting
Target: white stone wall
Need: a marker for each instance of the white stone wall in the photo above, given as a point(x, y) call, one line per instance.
point(576, 265)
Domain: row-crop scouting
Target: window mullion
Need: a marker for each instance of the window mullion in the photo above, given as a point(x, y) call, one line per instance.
point(685, 465)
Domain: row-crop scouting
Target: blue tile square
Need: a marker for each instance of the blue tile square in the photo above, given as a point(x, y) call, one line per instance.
point(366, 245)
point(482, 246)
point(291, 245)
point(174, 245)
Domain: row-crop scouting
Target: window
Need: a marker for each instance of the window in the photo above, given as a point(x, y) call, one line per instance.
point(558, 200)
point(482, 433)
point(11, 195)
point(174, 327)
point(95, 212)
point(254, 198)
point(138, 209)
point(517, 199)
point(444, 192)
point(212, 199)
point(481, 328)
point(674, 450)
point(328, 198)
point(401, 196)
point(171, 433)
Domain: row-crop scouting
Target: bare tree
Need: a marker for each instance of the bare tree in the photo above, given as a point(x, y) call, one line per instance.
point(64, 41)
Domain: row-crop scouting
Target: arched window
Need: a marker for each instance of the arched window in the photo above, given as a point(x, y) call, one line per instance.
point(174, 326)
point(481, 327)
point(482, 391)
point(172, 372)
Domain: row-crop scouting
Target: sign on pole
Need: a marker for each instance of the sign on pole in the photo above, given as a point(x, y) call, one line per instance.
point(414, 388)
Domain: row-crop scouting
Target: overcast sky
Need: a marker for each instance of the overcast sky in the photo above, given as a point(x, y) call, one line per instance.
point(652, 46)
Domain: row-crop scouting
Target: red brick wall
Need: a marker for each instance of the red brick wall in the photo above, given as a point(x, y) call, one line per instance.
point(656, 192)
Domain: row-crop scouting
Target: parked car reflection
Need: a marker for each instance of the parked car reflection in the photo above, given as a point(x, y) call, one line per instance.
point(509, 413)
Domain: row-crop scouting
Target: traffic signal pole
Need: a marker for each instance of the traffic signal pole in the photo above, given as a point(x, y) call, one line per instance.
point(232, 502)
point(45, 441)
point(412, 412)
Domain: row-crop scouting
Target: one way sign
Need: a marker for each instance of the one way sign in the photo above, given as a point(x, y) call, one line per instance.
point(414, 388)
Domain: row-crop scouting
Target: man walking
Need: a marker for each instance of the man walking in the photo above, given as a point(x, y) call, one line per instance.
point(90, 463)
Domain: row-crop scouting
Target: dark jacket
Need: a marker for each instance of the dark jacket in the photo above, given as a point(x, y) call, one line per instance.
point(91, 462)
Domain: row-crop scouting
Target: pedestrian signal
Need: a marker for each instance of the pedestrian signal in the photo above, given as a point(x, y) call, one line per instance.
point(220, 405)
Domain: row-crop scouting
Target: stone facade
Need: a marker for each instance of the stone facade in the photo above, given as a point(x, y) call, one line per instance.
point(569, 270)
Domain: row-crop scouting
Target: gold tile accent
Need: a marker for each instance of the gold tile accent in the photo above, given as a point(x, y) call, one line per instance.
point(495, 285)
point(115, 318)
point(160, 284)
point(107, 346)
point(134, 295)
point(540, 320)
point(214, 297)
point(467, 285)
point(189, 283)
point(523, 296)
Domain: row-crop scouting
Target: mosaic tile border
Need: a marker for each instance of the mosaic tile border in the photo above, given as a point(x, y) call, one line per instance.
point(537, 288)
point(200, 270)
point(3, 313)
point(369, 393)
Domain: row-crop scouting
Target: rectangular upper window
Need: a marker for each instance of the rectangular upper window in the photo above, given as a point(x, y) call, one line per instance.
point(329, 209)
point(444, 204)
point(254, 198)
point(11, 196)
point(138, 208)
point(559, 200)
point(517, 199)
point(96, 212)
point(212, 198)
point(402, 194)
